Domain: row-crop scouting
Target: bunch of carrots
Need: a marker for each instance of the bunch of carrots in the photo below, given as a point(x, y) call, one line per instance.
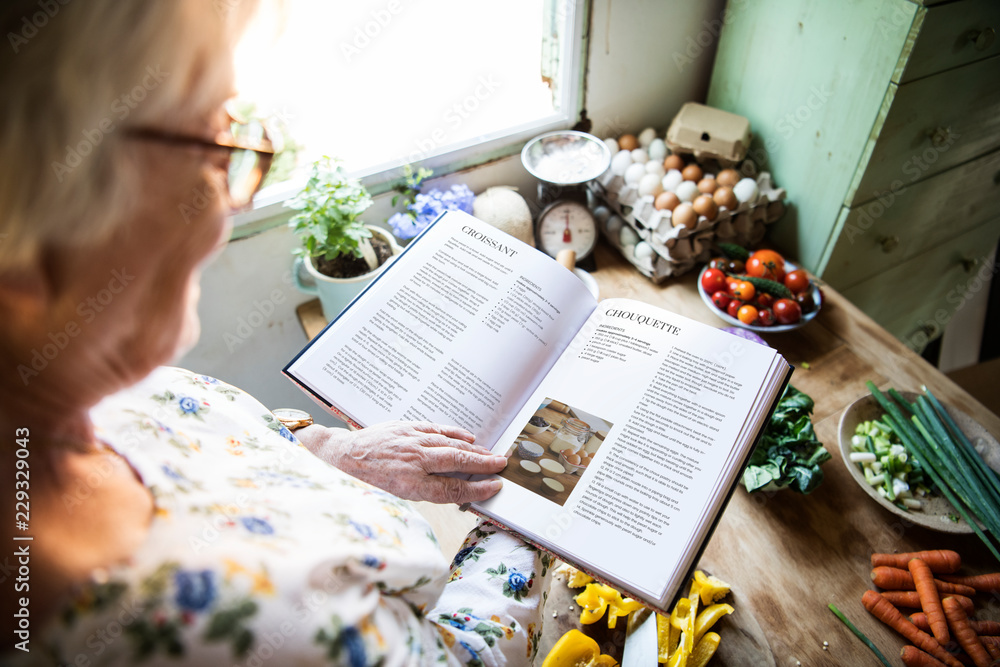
point(942, 630)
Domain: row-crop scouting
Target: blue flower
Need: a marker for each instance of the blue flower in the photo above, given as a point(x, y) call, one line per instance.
point(286, 434)
point(208, 380)
point(518, 582)
point(171, 472)
point(426, 207)
point(257, 526)
point(364, 530)
point(355, 646)
point(372, 561)
point(188, 405)
point(195, 589)
point(462, 555)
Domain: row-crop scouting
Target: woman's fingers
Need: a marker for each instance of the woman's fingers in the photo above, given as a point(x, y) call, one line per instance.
point(443, 490)
point(455, 460)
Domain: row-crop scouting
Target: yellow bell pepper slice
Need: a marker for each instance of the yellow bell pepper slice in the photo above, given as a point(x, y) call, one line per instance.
point(711, 589)
point(575, 649)
point(597, 598)
point(578, 579)
point(704, 650)
point(663, 637)
point(621, 607)
point(682, 619)
point(707, 618)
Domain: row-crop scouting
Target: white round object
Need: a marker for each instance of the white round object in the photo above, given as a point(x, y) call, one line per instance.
point(613, 226)
point(612, 145)
point(628, 236)
point(634, 173)
point(531, 467)
point(656, 167)
point(646, 137)
point(746, 190)
point(601, 214)
point(657, 150)
point(552, 486)
point(640, 155)
point(649, 185)
point(620, 162)
point(687, 190)
point(643, 251)
point(506, 210)
point(672, 179)
point(551, 468)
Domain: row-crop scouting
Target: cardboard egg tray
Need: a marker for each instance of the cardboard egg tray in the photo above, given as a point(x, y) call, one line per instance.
point(677, 250)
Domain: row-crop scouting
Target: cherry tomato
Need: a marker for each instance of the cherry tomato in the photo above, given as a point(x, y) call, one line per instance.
point(734, 307)
point(765, 300)
point(732, 283)
point(720, 263)
point(765, 317)
point(747, 314)
point(736, 266)
point(766, 264)
point(721, 300)
point(806, 301)
point(744, 290)
point(797, 281)
point(713, 280)
point(787, 311)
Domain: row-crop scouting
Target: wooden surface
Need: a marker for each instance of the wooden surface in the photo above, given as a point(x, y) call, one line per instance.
point(788, 556)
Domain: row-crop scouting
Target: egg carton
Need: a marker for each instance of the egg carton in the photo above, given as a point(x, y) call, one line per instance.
point(647, 238)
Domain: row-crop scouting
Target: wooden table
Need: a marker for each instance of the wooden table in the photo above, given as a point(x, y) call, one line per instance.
point(787, 556)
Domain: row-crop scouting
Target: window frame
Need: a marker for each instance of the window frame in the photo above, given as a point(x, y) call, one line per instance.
point(269, 205)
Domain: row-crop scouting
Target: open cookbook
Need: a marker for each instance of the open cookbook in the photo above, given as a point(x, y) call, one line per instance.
point(626, 426)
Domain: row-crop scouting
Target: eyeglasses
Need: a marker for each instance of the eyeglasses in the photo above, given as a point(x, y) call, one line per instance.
point(250, 154)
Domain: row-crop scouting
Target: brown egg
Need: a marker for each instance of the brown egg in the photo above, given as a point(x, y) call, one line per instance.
point(692, 172)
point(666, 200)
point(684, 216)
point(704, 205)
point(707, 185)
point(573, 459)
point(673, 162)
point(724, 196)
point(628, 142)
point(729, 177)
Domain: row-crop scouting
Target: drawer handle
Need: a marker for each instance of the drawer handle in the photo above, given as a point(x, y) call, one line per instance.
point(888, 243)
point(969, 265)
point(940, 136)
point(982, 39)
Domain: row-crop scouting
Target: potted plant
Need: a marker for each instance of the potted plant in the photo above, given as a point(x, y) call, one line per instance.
point(339, 251)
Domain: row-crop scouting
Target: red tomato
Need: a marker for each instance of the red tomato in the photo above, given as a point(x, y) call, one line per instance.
point(719, 263)
point(766, 264)
point(731, 283)
point(765, 317)
point(747, 314)
point(797, 281)
point(765, 300)
point(744, 290)
point(806, 302)
point(721, 300)
point(734, 307)
point(713, 280)
point(787, 311)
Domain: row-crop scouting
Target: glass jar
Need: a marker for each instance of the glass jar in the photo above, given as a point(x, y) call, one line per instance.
point(572, 435)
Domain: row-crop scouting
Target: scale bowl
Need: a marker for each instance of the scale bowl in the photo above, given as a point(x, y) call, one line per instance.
point(566, 157)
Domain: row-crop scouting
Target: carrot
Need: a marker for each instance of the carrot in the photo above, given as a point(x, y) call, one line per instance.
point(914, 657)
point(982, 628)
point(984, 583)
point(964, 634)
point(941, 561)
point(930, 601)
point(911, 600)
point(992, 645)
point(894, 579)
point(882, 609)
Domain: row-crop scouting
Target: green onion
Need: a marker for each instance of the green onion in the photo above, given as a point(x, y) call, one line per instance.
point(860, 635)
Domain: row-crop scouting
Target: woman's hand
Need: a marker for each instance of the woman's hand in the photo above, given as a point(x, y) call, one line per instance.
point(409, 459)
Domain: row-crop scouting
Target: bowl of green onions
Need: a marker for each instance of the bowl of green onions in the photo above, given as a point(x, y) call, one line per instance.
point(914, 456)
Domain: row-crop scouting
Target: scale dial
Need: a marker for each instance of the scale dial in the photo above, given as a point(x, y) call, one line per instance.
point(566, 224)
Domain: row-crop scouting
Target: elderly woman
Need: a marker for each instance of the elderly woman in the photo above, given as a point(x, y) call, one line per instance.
point(164, 517)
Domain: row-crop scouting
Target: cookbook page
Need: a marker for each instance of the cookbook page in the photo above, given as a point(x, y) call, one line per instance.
point(671, 409)
point(459, 330)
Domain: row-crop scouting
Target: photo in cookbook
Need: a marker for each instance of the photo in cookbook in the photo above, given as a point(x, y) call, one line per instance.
point(554, 449)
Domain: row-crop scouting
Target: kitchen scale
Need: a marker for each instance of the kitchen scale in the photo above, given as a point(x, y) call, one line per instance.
point(564, 162)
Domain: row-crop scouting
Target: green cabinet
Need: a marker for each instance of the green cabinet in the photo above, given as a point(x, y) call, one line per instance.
point(881, 118)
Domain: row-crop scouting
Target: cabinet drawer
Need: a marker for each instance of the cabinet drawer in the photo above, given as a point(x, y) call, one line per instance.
point(916, 299)
point(954, 35)
point(910, 220)
point(934, 124)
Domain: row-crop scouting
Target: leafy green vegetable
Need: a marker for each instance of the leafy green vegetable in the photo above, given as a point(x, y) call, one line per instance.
point(788, 453)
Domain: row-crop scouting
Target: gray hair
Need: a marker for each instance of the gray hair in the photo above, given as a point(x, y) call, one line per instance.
point(73, 73)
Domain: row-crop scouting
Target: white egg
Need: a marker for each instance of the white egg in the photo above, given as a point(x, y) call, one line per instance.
point(644, 252)
point(601, 214)
point(646, 137)
point(649, 185)
point(687, 190)
point(672, 179)
point(655, 167)
point(640, 155)
point(613, 226)
point(657, 150)
point(746, 190)
point(620, 162)
point(612, 145)
point(634, 173)
point(628, 236)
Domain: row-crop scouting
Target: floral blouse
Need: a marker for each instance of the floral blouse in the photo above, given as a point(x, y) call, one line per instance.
point(259, 552)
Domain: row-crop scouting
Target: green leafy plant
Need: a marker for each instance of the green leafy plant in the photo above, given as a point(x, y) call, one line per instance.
point(329, 208)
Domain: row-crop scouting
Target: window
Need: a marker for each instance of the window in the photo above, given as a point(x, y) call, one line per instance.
point(382, 83)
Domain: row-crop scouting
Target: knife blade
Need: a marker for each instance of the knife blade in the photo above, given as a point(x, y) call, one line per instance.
point(641, 648)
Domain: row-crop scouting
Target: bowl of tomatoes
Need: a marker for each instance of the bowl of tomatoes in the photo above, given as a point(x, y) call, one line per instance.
point(760, 290)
